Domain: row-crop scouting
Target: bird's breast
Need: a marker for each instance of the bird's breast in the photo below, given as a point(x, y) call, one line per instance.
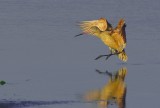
point(109, 41)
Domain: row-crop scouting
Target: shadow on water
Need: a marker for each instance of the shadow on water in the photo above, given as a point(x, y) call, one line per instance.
point(22, 104)
point(113, 92)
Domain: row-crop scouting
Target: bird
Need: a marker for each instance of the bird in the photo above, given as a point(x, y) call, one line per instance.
point(114, 90)
point(114, 38)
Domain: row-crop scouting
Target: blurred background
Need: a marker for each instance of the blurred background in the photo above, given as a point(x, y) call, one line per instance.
point(40, 59)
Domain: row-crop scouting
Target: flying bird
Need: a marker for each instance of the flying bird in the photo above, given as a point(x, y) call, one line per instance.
point(114, 38)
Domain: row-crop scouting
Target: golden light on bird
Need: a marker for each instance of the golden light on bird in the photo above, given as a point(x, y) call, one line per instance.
point(114, 38)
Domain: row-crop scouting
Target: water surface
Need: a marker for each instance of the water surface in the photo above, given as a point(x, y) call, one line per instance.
point(43, 63)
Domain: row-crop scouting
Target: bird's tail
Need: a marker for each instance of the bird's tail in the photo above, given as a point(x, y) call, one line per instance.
point(123, 56)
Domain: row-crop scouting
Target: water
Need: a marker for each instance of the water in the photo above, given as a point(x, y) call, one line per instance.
point(46, 67)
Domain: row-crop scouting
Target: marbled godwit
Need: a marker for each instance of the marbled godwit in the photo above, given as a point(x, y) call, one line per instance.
point(115, 38)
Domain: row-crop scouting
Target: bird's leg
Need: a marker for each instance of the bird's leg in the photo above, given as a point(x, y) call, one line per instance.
point(100, 57)
point(107, 56)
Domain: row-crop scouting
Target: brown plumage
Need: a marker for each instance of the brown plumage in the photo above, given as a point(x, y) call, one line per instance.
point(114, 38)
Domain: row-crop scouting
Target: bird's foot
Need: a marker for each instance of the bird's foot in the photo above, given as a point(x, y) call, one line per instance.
point(107, 56)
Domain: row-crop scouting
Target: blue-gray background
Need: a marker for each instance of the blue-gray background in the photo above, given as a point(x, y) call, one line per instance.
point(41, 60)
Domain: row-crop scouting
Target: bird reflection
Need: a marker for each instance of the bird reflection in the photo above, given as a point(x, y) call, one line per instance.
point(114, 91)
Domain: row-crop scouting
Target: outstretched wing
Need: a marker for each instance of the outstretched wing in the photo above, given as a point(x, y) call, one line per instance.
point(119, 34)
point(120, 29)
point(92, 31)
point(101, 24)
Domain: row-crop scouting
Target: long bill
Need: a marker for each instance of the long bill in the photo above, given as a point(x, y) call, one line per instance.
point(79, 35)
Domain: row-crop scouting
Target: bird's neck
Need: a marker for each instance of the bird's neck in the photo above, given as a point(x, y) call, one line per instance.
point(100, 35)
